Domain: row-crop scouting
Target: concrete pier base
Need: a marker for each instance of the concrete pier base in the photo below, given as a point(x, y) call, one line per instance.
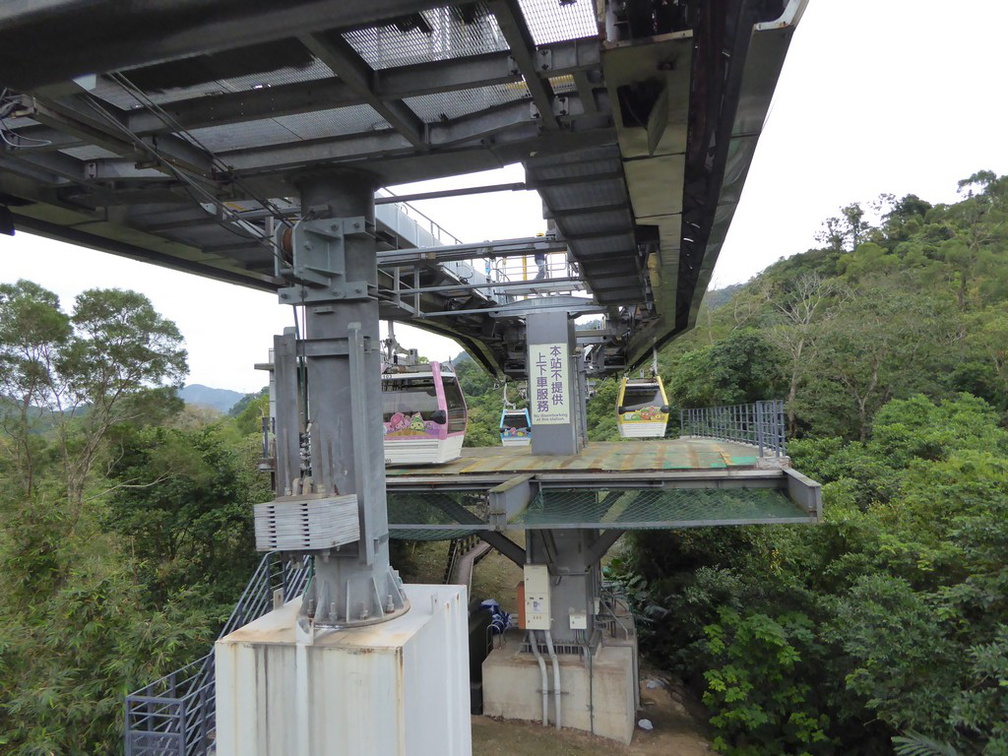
point(598, 697)
point(398, 688)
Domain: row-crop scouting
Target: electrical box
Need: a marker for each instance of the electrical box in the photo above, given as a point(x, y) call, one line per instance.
point(537, 597)
point(578, 620)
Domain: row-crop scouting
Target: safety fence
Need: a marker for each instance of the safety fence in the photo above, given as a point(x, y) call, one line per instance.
point(175, 715)
point(760, 424)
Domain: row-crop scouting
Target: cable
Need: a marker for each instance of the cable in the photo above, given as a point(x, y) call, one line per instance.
point(165, 117)
point(228, 219)
point(7, 106)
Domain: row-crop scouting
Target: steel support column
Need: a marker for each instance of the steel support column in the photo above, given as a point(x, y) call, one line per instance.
point(554, 380)
point(331, 261)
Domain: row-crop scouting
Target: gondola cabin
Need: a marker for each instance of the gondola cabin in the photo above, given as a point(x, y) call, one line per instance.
point(423, 415)
point(642, 409)
point(515, 427)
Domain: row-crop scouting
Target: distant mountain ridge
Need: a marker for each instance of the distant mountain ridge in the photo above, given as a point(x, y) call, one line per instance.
point(219, 399)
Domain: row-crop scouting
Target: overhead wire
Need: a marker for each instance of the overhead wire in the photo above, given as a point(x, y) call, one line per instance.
point(179, 174)
point(177, 128)
point(226, 217)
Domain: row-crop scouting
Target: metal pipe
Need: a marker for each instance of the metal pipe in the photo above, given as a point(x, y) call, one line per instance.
point(591, 683)
point(393, 199)
point(556, 677)
point(544, 685)
point(552, 283)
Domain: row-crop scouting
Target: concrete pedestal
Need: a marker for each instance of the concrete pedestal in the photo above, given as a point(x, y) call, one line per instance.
point(599, 698)
point(398, 688)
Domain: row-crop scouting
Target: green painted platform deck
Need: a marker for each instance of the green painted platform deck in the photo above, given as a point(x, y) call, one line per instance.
point(624, 485)
point(631, 455)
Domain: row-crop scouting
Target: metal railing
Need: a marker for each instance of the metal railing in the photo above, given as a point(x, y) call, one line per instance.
point(761, 425)
point(175, 715)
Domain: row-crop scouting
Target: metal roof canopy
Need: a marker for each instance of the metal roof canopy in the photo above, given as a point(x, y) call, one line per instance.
point(174, 134)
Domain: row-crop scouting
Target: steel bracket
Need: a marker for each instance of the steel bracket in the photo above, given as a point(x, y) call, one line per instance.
point(317, 261)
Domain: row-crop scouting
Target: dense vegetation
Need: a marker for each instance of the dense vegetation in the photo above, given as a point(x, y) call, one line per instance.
point(127, 531)
point(889, 620)
point(127, 528)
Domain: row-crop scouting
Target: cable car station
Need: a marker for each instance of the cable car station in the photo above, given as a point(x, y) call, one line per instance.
point(251, 143)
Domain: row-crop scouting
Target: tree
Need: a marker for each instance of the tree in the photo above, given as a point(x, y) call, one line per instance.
point(797, 308)
point(875, 346)
point(33, 334)
point(109, 362)
point(846, 231)
point(744, 367)
point(183, 503)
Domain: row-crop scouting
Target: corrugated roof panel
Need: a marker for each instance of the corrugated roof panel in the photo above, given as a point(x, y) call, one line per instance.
point(617, 244)
point(594, 194)
point(593, 223)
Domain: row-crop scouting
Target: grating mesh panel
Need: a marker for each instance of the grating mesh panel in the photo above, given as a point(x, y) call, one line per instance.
point(335, 122)
point(464, 102)
point(563, 84)
point(437, 34)
point(661, 508)
point(422, 507)
point(427, 535)
point(553, 21)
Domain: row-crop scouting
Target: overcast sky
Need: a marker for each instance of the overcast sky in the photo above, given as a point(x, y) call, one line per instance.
point(894, 96)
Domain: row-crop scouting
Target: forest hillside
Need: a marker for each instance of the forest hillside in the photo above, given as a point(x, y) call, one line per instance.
point(887, 625)
point(127, 529)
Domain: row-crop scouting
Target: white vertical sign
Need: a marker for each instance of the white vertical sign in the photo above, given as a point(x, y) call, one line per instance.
point(549, 379)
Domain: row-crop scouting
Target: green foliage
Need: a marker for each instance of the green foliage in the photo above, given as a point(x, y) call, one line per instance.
point(126, 541)
point(107, 363)
point(915, 744)
point(739, 369)
point(601, 413)
point(903, 662)
point(183, 503)
point(756, 701)
point(885, 626)
point(250, 411)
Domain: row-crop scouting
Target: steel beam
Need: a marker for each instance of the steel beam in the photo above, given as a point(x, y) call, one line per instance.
point(344, 61)
point(512, 24)
point(529, 245)
point(464, 192)
point(576, 57)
